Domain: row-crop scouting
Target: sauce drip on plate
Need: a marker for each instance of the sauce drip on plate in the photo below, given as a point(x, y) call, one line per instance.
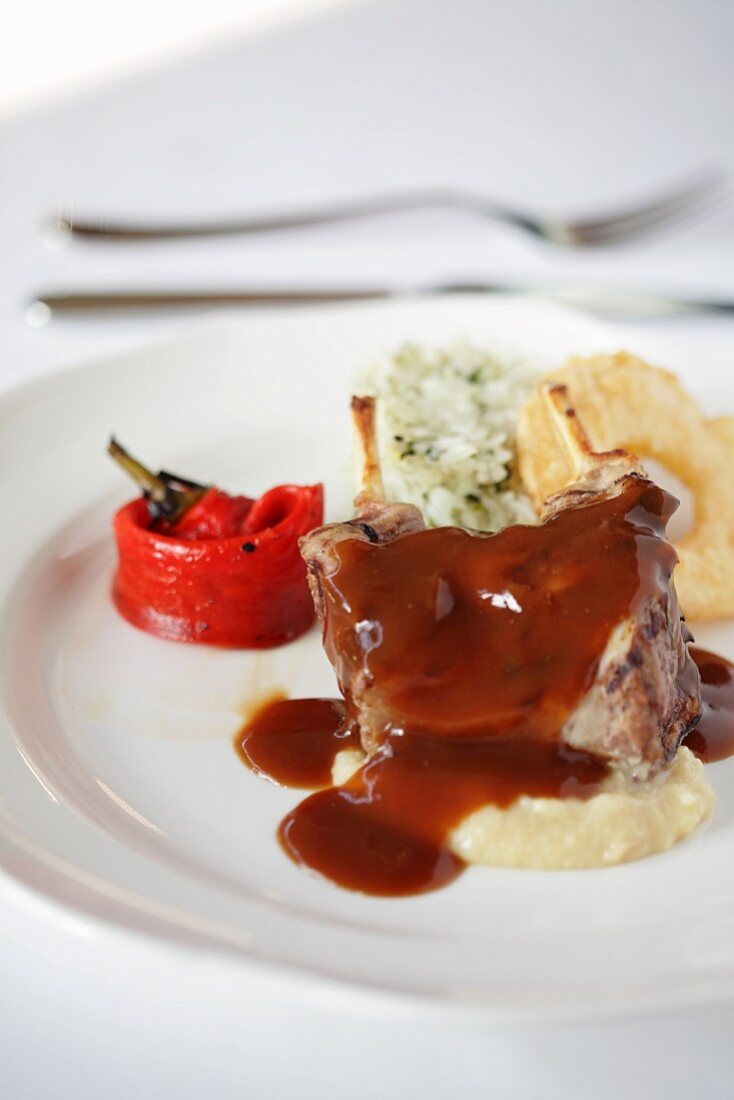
point(469, 653)
point(294, 741)
point(713, 737)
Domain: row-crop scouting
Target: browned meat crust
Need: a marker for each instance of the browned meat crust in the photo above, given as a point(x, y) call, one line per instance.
point(374, 522)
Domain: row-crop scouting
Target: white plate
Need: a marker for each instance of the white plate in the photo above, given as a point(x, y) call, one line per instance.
point(120, 793)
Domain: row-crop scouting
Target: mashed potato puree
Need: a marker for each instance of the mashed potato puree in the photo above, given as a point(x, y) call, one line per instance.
point(627, 820)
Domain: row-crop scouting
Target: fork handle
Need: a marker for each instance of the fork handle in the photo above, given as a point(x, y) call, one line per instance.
point(373, 206)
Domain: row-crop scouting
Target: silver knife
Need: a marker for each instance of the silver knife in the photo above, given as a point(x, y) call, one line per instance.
point(602, 300)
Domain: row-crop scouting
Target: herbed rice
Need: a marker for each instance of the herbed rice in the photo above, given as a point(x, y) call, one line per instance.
point(446, 433)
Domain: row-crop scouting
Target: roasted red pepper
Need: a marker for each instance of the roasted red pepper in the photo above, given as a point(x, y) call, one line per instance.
point(198, 565)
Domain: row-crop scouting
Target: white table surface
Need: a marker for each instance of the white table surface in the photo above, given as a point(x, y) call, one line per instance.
point(83, 42)
point(561, 106)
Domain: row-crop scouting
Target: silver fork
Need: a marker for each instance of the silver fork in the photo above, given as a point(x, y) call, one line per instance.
point(687, 198)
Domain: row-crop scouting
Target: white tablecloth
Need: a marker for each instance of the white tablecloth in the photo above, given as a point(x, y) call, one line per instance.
point(561, 107)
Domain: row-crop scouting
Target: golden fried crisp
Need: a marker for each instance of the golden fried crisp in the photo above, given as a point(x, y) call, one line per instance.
point(624, 402)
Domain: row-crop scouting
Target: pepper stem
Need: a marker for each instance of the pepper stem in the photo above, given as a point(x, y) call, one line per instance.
point(169, 497)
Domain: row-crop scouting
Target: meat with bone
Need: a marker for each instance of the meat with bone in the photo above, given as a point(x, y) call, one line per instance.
point(568, 632)
point(375, 522)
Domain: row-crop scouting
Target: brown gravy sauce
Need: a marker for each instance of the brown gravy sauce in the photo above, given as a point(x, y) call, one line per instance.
point(713, 737)
point(294, 741)
point(478, 656)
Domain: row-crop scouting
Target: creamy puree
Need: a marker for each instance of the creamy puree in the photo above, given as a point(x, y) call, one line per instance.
point(627, 820)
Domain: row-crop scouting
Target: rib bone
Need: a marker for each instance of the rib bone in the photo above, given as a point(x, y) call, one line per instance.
point(594, 472)
point(370, 476)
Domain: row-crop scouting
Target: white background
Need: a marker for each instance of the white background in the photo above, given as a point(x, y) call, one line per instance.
point(565, 106)
point(49, 49)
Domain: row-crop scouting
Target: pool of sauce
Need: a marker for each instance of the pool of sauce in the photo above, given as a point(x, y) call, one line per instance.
point(713, 737)
point(471, 652)
point(294, 741)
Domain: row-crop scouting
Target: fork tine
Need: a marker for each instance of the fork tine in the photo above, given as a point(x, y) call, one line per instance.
point(693, 196)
